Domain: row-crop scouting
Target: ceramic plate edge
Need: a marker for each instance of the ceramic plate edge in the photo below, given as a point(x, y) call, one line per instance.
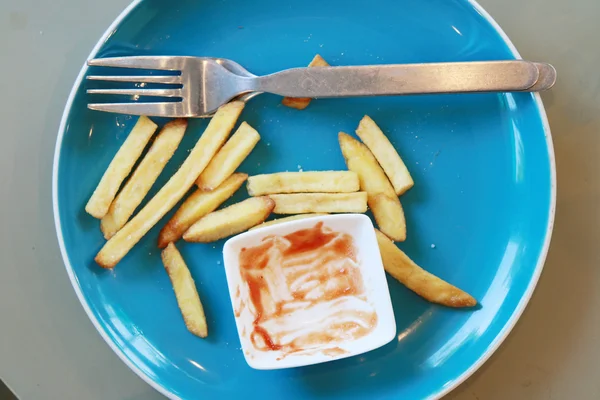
point(57, 223)
point(447, 388)
point(516, 315)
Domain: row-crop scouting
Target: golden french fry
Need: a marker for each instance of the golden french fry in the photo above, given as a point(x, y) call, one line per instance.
point(120, 166)
point(423, 283)
point(185, 291)
point(229, 157)
point(383, 201)
point(143, 177)
point(301, 103)
point(230, 221)
point(386, 155)
point(303, 203)
point(207, 146)
point(303, 182)
point(286, 219)
point(197, 206)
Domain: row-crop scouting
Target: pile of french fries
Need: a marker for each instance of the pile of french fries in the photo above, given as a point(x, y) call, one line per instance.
point(376, 176)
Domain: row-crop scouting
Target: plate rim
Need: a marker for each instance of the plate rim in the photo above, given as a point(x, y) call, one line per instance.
point(494, 345)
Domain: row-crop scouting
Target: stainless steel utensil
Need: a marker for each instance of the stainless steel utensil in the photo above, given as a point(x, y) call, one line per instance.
point(207, 83)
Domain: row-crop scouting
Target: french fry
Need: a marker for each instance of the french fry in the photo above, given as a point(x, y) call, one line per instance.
point(230, 221)
point(423, 283)
point(301, 103)
point(229, 157)
point(286, 219)
point(303, 182)
point(196, 206)
point(120, 166)
point(386, 155)
point(382, 199)
point(303, 203)
point(143, 177)
point(207, 146)
point(185, 291)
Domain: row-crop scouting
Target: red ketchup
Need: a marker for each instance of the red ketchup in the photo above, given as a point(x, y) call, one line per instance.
point(306, 292)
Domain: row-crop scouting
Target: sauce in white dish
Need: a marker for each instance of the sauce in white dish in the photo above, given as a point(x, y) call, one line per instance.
point(305, 292)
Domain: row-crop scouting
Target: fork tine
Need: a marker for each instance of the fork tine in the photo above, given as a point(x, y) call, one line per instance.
point(149, 109)
point(167, 63)
point(173, 79)
point(139, 92)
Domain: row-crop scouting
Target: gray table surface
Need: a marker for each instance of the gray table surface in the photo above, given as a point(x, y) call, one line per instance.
point(50, 350)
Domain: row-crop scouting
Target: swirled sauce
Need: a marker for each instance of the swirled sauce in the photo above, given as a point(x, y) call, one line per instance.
point(305, 292)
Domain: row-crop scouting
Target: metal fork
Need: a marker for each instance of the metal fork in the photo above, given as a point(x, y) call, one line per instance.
point(206, 83)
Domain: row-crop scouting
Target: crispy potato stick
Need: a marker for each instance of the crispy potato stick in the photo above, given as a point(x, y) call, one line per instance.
point(120, 166)
point(303, 203)
point(303, 182)
point(231, 220)
point(229, 157)
point(197, 206)
point(383, 201)
point(143, 177)
point(207, 146)
point(301, 103)
point(426, 285)
point(386, 155)
point(185, 291)
point(287, 219)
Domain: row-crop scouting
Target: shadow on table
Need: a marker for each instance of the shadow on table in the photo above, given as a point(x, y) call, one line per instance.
point(5, 392)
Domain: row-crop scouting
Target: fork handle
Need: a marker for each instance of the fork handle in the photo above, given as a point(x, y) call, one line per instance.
point(401, 79)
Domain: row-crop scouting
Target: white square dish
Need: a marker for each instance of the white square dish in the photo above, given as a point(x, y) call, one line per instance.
point(313, 320)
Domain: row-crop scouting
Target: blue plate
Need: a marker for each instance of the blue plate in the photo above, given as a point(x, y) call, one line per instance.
point(480, 214)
